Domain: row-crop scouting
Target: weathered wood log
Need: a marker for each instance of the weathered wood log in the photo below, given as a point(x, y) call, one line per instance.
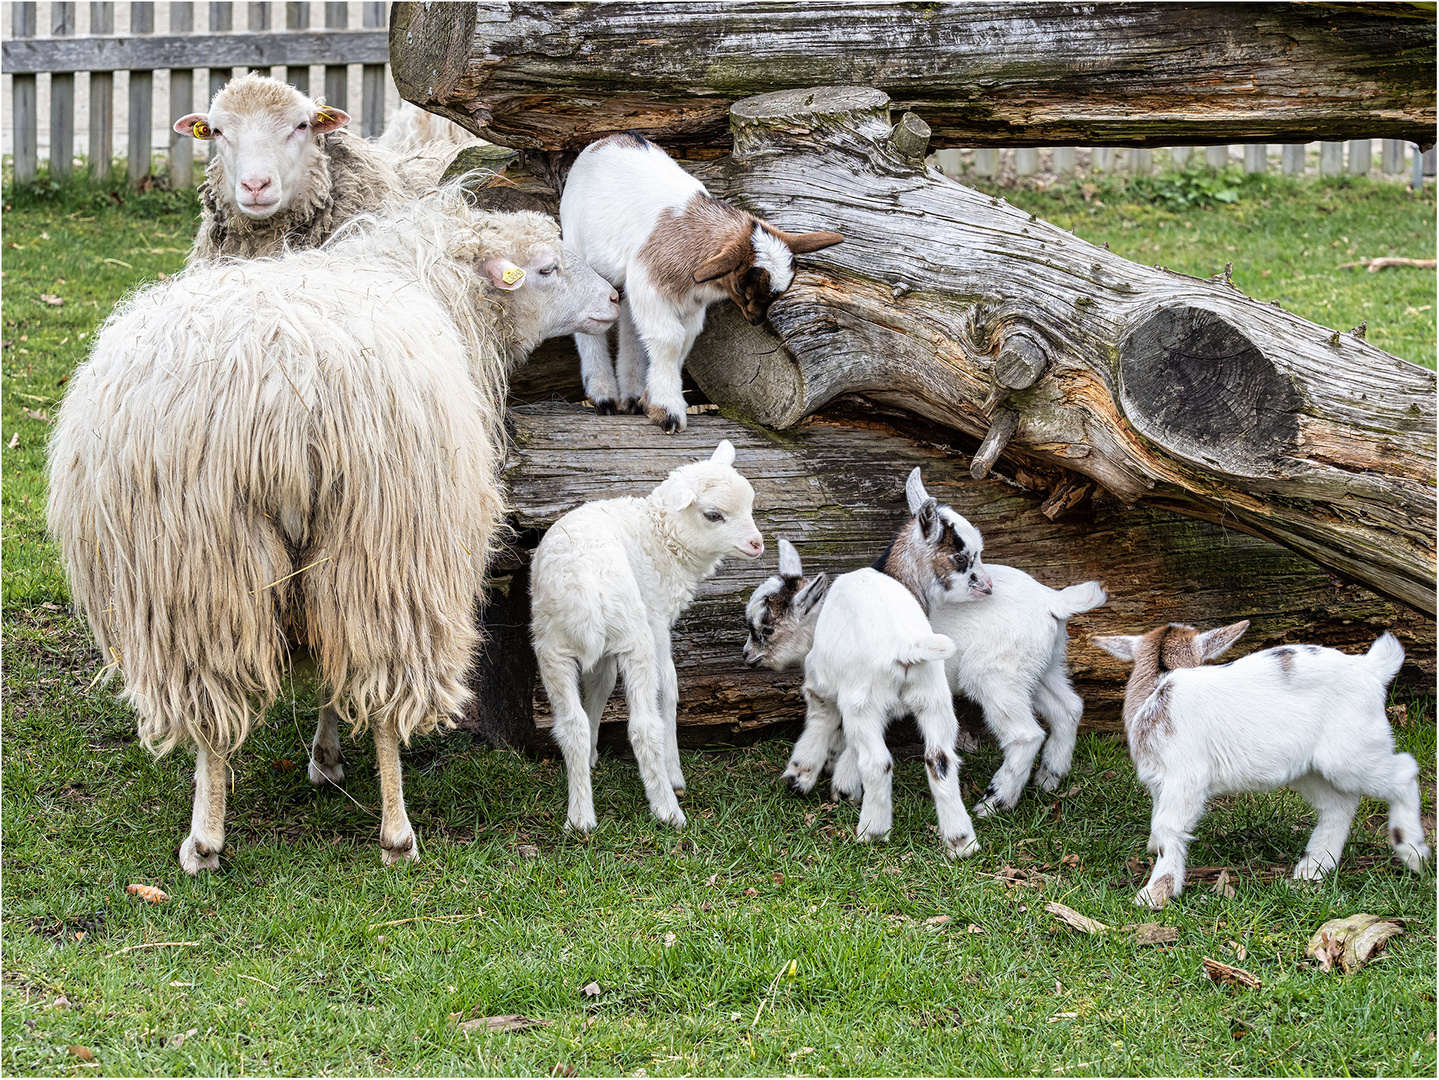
point(837, 491)
point(1167, 390)
point(556, 75)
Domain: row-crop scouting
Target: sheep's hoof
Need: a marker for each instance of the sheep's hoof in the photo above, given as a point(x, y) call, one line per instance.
point(398, 851)
point(195, 857)
point(1048, 781)
point(604, 407)
point(960, 847)
point(322, 773)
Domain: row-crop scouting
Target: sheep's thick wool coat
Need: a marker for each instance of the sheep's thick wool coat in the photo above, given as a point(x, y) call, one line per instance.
point(298, 450)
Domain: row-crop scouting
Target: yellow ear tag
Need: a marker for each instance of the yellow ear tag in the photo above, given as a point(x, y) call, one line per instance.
point(513, 276)
point(201, 130)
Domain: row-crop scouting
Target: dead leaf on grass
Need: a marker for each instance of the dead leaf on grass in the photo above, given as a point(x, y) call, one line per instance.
point(1351, 942)
point(528, 851)
point(84, 1053)
point(14, 441)
point(936, 920)
point(1398, 715)
point(669, 940)
point(1153, 933)
point(1222, 887)
point(508, 1024)
point(148, 892)
point(52, 300)
point(591, 989)
point(1070, 917)
point(37, 414)
point(751, 892)
point(561, 1069)
point(1071, 861)
point(1229, 975)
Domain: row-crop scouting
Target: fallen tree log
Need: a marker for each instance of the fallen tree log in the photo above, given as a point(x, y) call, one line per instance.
point(836, 490)
point(557, 75)
point(1167, 390)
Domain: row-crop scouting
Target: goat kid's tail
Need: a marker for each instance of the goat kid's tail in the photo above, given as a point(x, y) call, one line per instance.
point(1385, 656)
point(1077, 598)
point(926, 647)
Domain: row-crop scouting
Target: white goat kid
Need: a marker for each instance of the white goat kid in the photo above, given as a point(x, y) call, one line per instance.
point(1300, 716)
point(653, 230)
point(1010, 636)
point(608, 581)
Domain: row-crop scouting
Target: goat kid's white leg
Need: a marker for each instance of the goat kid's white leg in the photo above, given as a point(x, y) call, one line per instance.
point(631, 363)
point(397, 838)
point(596, 688)
point(812, 748)
point(663, 335)
point(1176, 811)
point(574, 732)
point(647, 737)
point(864, 730)
point(846, 785)
point(937, 724)
point(201, 849)
point(1326, 843)
point(1062, 708)
point(1406, 829)
point(1008, 716)
point(597, 372)
point(327, 762)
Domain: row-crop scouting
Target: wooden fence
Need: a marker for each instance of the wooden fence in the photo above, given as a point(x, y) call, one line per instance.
point(262, 45)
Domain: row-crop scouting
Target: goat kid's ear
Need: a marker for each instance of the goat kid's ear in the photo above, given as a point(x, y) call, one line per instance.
point(727, 260)
point(1120, 645)
point(196, 125)
point(915, 493)
point(328, 118)
point(810, 597)
point(724, 453)
point(504, 274)
point(804, 243)
point(1213, 643)
point(789, 564)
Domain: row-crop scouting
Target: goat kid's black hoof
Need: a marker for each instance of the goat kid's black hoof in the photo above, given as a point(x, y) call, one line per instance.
point(604, 408)
point(672, 423)
point(632, 408)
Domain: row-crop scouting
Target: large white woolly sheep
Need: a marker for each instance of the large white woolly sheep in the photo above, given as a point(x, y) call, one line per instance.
point(285, 175)
point(1299, 716)
point(652, 229)
point(607, 583)
point(411, 127)
point(302, 451)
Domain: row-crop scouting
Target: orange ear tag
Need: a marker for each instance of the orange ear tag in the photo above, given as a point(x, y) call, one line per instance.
point(513, 276)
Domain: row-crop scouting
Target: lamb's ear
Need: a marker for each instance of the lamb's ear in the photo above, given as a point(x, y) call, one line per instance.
point(196, 125)
point(676, 495)
point(789, 564)
point(724, 453)
point(804, 243)
point(1213, 643)
point(504, 274)
point(915, 493)
point(812, 595)
point(1120, 645)
point(328, 118)
point(731, 256)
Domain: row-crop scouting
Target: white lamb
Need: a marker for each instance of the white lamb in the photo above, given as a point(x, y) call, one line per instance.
point(1299, 716)
point(608, 581)
point(302, 451)
point(653, 230)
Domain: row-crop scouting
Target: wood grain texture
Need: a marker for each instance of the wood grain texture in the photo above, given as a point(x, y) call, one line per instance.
point(557, 75)
point(1165, 389)
point(835, 488)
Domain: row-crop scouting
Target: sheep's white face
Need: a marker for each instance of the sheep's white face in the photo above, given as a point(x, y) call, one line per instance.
point(711, 507)
point(267, 136)
point(550, 292)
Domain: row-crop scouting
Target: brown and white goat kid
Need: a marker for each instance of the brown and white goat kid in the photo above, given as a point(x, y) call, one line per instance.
point(651, 229)
point(1297, 716)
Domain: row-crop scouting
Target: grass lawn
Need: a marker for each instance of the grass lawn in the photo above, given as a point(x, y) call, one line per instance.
point(762, 940)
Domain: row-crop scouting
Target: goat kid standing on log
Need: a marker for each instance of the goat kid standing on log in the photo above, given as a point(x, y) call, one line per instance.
point(653, 230)
point(302, 452)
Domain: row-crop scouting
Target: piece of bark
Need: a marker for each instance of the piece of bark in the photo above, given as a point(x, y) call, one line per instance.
point(836, 490)
point(1164, 389)
point(1351, 942)
point(1226, 974)
point(556, 75)
point(1074, 919)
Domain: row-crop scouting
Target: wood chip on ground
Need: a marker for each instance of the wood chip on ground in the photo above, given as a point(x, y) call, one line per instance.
point(1070, 917)
point(1227, 974)
point(1351, 942)
point(508, 1023)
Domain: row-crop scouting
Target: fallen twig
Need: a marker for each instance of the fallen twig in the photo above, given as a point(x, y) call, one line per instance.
point(151, 945)
point(425, 918)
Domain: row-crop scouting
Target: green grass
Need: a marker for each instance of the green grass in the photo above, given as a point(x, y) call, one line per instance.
point(290, 972)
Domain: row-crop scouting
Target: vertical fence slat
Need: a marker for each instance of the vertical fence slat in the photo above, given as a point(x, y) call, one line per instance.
point(1026, 161)
point(1063, 160)
point(142, 98)
point(337, 76)
point(986, 161)
point(62, 98)
point(25, 102)
point(258, 19)
point(1101, 158)
point(1360, 157)
point(1141, 161)
point(1256, 157)
point(947, 161)
point(1179, 156)
point(1331, 158)
point(297, 17)
point(1392, 157)
point(1216, 157)
point(222, 20)
point(372, 79)
point(1292, 157)
point(182, 102)
point(101, 148)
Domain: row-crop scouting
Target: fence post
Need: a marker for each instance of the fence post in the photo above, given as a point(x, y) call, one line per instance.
point(1392, 157)
point(1331, 158)
point(222, 20)
point(1141, 161)
point(142, 88)
point(1292, 155)
point(62, 98)
point(337, 76)
point(1359, 157)
point(259, 19)
point(101, 148)
point(1216, 157)
point(1256, 157)
point(1101, 158)
point(1026, 161)
point(986, 161)
point(1063, 160)
point(297, 17)
point(1179, 156)
point(372, 79)
point(23, 87)
point(182, 102)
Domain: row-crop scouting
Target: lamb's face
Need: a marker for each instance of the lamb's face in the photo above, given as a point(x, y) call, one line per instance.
point(267, 136)
point(711, 507)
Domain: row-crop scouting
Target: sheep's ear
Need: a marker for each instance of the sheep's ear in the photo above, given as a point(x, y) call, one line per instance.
point(1120, 645)
point(328, 118)
point(1213, 643)
point(812, 595)
point(724, 453)
point(789, 564)
point(196, 125)
point(804, 243)
point(677, 495)
point(727, 260)
point(504, 274)
point(915, 493)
